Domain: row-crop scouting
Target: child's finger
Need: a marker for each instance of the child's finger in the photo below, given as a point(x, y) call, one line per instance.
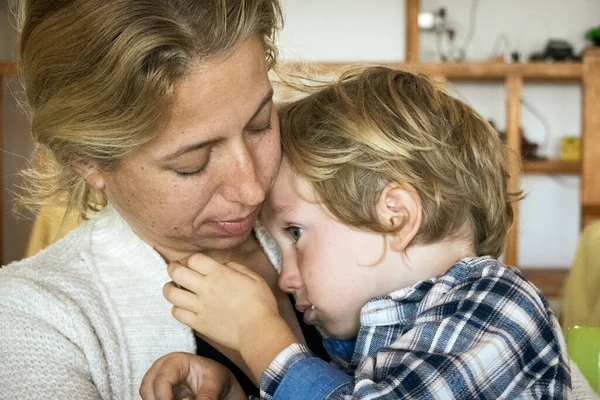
point(203, 264)
point(180, 297)
point(185, 277)
point(242, 269)
point(186, 317)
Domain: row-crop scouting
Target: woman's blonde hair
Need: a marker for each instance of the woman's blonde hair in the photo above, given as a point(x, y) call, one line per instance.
point(99, 76)
point(380, 125)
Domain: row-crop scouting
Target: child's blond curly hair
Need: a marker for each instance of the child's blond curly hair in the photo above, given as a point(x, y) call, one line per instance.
point(378, 125)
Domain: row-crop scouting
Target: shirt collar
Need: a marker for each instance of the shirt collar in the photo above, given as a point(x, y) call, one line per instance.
point(400, 306)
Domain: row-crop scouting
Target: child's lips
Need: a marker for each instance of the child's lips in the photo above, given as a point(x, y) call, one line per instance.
point(308, 312)
point(309, 316)
point(303, 307)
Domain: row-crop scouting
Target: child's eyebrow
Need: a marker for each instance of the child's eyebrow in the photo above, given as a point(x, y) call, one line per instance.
point(282, 210)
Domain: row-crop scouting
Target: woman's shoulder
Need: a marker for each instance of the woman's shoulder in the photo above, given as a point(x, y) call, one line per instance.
point(54, 323)
point(59, 268)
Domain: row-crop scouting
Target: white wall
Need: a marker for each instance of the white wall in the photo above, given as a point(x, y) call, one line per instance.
point(353, 30)
point(343, 30)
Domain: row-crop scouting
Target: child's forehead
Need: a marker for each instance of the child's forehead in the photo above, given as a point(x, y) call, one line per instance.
point(290, 182)
point(290, 190)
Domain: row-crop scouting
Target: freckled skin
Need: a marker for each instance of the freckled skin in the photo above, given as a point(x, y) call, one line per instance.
point(217, 101)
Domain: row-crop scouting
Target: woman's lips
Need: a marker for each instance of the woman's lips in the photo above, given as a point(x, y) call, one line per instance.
point(235, 227)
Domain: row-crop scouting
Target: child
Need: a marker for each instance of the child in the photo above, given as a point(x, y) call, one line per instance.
point(390, 209)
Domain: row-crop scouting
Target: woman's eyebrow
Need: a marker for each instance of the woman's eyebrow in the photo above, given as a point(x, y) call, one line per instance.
point(186, 149)
point(265, 101)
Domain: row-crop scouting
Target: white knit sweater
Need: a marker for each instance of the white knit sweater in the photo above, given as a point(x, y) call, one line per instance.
point(85, 318)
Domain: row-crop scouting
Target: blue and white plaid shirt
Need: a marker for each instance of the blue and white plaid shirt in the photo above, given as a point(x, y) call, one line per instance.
point(478, 331)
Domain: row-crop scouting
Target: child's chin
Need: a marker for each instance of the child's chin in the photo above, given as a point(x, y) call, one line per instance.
point(338, 334)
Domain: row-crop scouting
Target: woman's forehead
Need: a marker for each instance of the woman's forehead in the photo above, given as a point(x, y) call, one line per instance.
point(219, 98)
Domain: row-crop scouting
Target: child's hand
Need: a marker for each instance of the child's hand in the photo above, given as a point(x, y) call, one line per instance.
point(206, 378)
point(226, 303)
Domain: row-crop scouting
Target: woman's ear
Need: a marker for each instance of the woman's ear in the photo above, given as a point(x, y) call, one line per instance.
point(399, 207)
point(90, 173)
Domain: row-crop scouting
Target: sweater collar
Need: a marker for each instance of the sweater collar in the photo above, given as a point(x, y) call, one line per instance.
point(114, 240)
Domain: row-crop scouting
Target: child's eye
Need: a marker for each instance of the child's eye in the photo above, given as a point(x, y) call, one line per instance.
point(294, 232)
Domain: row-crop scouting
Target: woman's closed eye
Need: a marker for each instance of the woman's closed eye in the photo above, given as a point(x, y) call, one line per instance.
point(192, 165)
point(193, 173)
point(262, 130)
point(294, 232)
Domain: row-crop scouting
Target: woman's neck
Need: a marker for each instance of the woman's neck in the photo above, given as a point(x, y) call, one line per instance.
point(238, 253)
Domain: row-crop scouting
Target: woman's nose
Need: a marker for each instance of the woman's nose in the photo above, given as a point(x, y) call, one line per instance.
point(244, 179)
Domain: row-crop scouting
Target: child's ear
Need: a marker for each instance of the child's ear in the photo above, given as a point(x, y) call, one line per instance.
point(90, 173)
point(399, 207)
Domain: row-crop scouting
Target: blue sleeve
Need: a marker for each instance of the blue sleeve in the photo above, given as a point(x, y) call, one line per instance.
point(311, 378)
point(297, 374)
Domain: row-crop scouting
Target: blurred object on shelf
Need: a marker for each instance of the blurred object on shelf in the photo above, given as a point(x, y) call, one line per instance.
point(429, 21)
point(436, 22)
point(593, 35)
point(556, 50)
point(529, 149)
point(570, 148)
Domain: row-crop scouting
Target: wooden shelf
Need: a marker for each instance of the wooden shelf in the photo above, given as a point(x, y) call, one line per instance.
point(552, 167)
point(8, 68)
point(536, 71)
point(549, 280)
point(472, 71)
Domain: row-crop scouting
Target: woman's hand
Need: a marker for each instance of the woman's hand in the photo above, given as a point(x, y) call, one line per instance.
point(225, 303)
point(206, 378)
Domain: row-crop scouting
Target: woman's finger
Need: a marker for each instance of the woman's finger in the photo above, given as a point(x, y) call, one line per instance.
point(147, 388)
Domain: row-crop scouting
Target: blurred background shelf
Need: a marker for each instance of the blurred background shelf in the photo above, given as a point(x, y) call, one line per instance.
point(8, 69)
point(549, 280)
point(485, 71)
point(552, 167)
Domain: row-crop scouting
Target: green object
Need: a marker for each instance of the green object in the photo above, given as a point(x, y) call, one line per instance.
point(593, 35)
point(583, 345)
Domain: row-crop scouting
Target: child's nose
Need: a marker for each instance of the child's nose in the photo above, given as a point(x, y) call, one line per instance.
point(289, 280)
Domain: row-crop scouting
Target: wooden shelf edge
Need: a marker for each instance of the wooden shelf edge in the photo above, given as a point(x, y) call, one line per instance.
point(482, 71)
point(8, 68)
point(589, 212)
point(563, 71)
point(550, 281)
point(552, 167)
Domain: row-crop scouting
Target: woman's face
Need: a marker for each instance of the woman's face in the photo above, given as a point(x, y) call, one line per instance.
point(200, 183)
